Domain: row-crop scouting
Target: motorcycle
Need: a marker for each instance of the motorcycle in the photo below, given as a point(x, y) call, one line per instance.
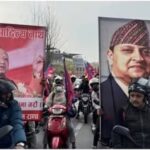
point(85, 106)
point(57, 131)
point(121, 138)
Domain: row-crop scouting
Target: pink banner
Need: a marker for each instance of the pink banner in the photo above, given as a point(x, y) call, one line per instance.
point(68, 86)
point(24, 46)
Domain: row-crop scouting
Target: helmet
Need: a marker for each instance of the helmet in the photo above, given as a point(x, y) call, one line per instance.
point(58, 80)
point(136, 87)
point(94, 84)
point(94, 81)
point(73, 78)
point(6, 86)
point(76, 87)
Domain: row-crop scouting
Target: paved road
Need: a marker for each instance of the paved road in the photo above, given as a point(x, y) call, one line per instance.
point(83, 134)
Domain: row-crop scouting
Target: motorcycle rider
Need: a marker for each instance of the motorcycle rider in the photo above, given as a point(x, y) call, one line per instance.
point(136, 118)
point(57, 96)
point(11, 115)
point(84, 89)
point(73, 79)
point(94, 84)
point(84, 86)
point(76, 93)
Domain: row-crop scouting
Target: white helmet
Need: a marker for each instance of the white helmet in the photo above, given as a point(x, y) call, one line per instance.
point(76, 87)
point(58, 80)
point(73, 76)
point(94, 81)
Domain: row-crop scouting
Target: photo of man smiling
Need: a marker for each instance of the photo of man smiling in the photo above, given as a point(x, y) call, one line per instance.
point(127, 56)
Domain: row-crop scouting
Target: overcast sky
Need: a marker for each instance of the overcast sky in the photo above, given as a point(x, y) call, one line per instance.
point(78, 20)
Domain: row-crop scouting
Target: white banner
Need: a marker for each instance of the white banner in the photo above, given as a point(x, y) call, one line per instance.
point(28, 104)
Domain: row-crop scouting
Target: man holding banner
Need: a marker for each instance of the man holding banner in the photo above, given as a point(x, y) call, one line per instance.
point(127, 55)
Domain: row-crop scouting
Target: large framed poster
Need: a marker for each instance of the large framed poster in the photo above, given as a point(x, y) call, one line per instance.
point(124, 54)
point(22, 47)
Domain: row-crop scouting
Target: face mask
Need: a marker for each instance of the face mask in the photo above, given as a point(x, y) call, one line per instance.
point(95, 88)
point(58, 89)
point(5, 98)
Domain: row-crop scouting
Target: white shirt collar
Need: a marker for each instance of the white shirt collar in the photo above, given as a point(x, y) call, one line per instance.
point(121, 84)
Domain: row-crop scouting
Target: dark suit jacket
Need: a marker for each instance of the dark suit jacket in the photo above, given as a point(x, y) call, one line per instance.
point(112, 101)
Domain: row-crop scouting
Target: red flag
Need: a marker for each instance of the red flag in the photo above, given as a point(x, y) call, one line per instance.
point(90, 71)
point(68, 87)
point(49, 71)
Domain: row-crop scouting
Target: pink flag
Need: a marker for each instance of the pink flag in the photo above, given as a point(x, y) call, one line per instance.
point(89, 70)
point(49, 71)
point(68, 86)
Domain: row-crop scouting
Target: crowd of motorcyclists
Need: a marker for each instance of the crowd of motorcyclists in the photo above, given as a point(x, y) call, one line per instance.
point(135, 115)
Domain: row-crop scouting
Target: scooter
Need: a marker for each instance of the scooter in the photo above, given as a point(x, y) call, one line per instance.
point(57, 131)
point(121, 138)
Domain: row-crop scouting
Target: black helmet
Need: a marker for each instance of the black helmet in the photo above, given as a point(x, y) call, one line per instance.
point(58, 80)
point(6, 86)
point(136, 87)
point(73, 78)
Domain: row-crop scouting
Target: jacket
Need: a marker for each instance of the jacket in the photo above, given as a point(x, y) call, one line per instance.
point(95, 100)
point(138, 121)
point(12, 115)
point(56, 98)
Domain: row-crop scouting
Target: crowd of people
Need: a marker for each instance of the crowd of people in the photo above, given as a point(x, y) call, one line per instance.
point(121, 99)
point(135, 113)
point(54, 93)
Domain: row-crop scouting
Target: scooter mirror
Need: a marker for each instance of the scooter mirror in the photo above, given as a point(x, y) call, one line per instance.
point(121, 130)
point(125, 132)
point(5, 130)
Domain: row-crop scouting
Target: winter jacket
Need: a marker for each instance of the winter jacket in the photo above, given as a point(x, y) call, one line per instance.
point(138, 121)
point(56, 98)
point(84, 86)
point(12, 115)
point(95, 100)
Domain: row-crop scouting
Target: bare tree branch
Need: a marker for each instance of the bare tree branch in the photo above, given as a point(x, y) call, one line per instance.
point(45, 16)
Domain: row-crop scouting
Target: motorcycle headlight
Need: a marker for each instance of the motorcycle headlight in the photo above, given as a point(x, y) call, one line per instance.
point(57, 111)
point(85, 98)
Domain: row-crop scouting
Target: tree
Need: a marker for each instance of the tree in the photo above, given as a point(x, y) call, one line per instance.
point(44, 15)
